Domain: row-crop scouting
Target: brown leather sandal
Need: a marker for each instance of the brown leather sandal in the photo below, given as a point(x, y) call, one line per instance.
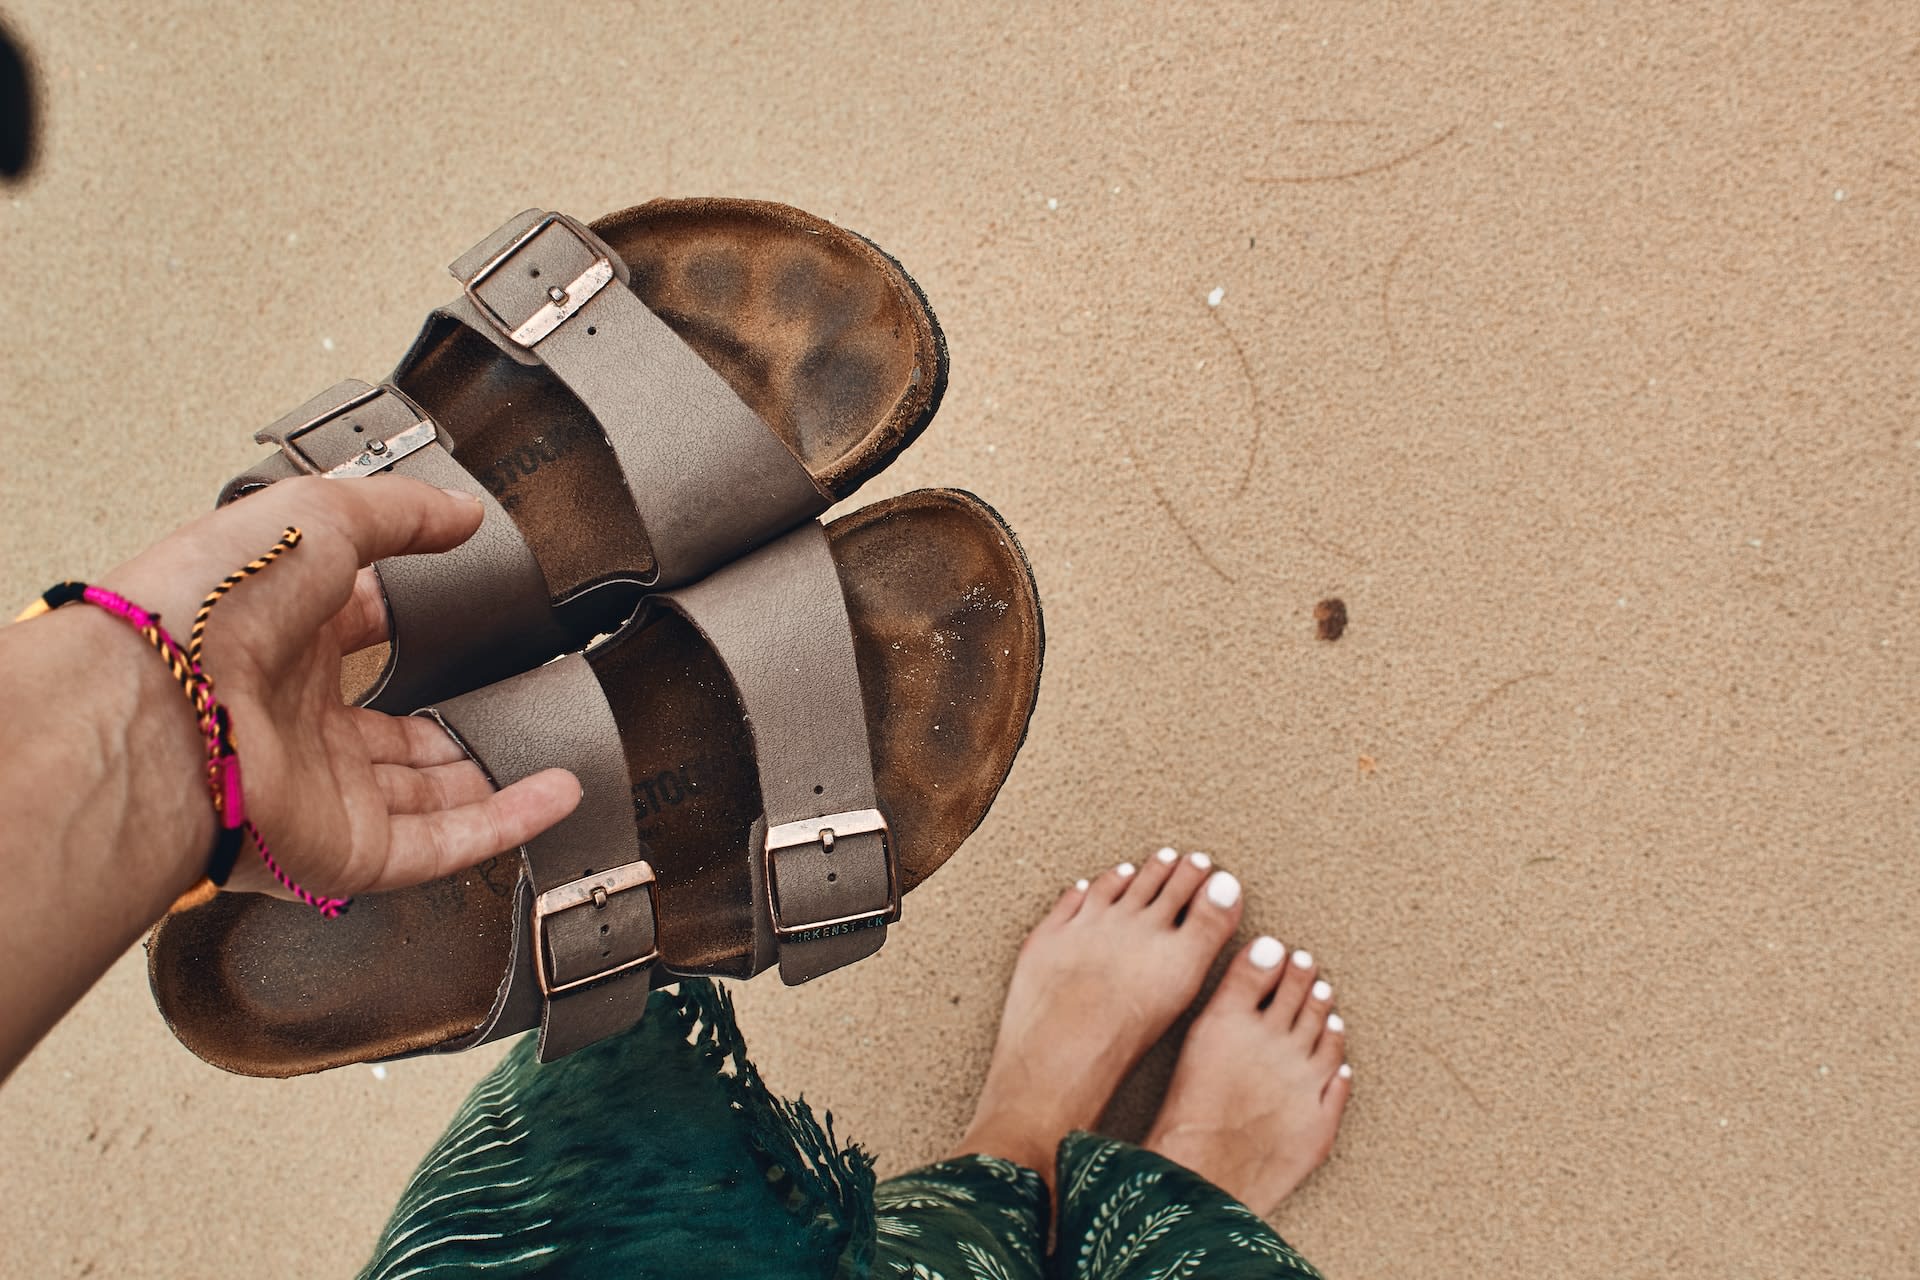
point(770, 759)
point(635, 403)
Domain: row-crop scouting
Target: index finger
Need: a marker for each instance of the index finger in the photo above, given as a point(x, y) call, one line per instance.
point(388, 515)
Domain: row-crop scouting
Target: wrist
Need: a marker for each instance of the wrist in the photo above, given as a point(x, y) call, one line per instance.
point(108, 715)
point(107, 810)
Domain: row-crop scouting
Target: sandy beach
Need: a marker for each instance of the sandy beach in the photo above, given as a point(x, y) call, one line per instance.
point(1574, 355)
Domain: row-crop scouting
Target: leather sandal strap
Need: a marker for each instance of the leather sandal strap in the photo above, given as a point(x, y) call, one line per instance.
point(708, 477)
point(586, 934)
point(825, 881)
point(476, 614)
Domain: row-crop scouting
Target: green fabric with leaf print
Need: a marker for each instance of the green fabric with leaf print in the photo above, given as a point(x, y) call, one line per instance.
point(661, 1153)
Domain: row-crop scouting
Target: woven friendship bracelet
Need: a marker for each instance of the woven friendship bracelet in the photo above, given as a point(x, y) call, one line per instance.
point(224, 782)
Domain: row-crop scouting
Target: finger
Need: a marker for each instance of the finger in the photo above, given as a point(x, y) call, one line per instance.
point(362, 621)
point(416, 741)
point(385, 515)
point(426, 846)
point(429, 790)
point(346, 524)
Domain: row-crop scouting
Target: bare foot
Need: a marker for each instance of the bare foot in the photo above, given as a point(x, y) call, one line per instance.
point(1097, 982)
point(1262, 1080)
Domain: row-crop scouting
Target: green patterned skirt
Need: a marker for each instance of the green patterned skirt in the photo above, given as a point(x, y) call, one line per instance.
point(660, 1153)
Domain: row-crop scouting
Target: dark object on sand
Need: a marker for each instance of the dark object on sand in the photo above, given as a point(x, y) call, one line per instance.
point(1330, 618)
point(16, 109)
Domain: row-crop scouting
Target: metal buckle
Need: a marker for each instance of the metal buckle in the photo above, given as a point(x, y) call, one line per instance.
point(561, 303)
point(824, 831)
point(375, 455)
point(593, 890)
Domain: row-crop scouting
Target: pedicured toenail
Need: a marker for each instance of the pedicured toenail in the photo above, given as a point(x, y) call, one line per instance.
point(1322, 990)
point(1346, 1072)
point(1081, 885)
point(1336, 1023)
point(1200, 860)
point(1125, 868)
point(1266, 953)
point(1222, 889)
point(1166, 855)
point(1304, 959)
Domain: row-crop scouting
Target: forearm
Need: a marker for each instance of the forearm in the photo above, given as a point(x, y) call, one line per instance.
point(106, 815)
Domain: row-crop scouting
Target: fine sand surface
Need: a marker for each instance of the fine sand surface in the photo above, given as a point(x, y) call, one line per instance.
point(1577, 355)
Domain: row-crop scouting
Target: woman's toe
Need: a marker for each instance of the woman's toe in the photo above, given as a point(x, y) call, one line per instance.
point(1213, 909)
point(1331, 1048)
point(1187, 875)
point(1339, 1089)
point(1110, 884)
point(1312, 1019)
point(1251, 977)
point(1295, 983)
point(1144, 885)
point(1067, 905)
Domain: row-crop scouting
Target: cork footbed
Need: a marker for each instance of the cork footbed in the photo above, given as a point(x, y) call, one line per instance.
point(948, 637)
point(819, 332)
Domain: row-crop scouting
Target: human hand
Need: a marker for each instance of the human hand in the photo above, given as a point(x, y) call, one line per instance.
point(350, 800)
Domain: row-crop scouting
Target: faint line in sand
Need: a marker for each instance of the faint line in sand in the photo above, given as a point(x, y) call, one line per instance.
point(1255, 400)
point(1192, 538)
point(1386, 299)
point(1486, 700)
point(1331, 548)
point(1457, 1077)
point(1301, 179)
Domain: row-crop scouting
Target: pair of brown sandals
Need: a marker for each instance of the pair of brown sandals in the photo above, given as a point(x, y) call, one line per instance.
point(781, 728)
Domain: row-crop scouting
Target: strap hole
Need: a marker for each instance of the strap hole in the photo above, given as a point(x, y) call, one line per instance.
point(818, 789)
point(357, 428)
point(833, 877)
point(534, 272)
point(592, 329)
point(604, 928)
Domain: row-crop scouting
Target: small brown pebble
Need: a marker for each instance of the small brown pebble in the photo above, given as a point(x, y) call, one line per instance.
point(1330, 618)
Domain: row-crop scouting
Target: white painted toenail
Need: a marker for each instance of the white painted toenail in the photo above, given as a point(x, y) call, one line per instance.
point(1166, 855)
point(1304, 959)
point(1336, 1023)
point(1222, 889)
point(1200, 860)
point(1125, 869)
point(1081, 885)
point(1322, 990)
point(1346, 1072)
point(1266, 953)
